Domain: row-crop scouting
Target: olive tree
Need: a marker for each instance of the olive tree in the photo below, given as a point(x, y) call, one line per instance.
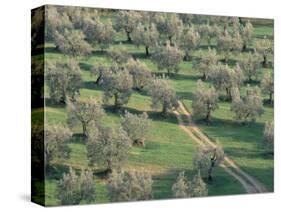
point(264, 48)
point(237, 43)
point(108, 146)
point(205, 62)
point(80, 16)
point(189, 41)
point(198, 186)
point(168, 58)
point(129, 186)
point(209, 32)
point(140, 73)
point(169, 25)
point(145, 35)
point(56, 22)
point(55, 137)
point(118, 55)
point(236, 26)
point(63, 79)
point(268, 136)
point(163, 94)
point(180, 187)
point(186, 18)
point(267, 86)
point(84, 112)
point(101, 34)
point(195, 188)
point(248, 107)
point(72, 42)
point(247, 33)
point(226, 79)
point(250, 65)
point(205, 100)
point(117, 85)
point(136, 126)
point(206, 159)
point(99, 70)
point(75, 188)
point(224, 45)
point(127, 21)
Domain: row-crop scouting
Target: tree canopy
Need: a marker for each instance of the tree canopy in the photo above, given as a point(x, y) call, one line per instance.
point(163, 94)
point(130, 186)
point(205, 100)
point(63, 80)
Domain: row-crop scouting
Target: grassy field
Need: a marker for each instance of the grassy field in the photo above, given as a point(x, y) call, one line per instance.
point(168, 149)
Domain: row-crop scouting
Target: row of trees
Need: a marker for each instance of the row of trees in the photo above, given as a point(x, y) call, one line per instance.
point(246, 108)
point(64, 79)
point(117, 81)
point(122, 186)
point(77, 31)
point(106, 146)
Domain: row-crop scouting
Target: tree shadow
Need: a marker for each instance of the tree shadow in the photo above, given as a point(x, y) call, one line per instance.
point(154, 115)
point(51, 103)
point(268, 103)
point(85, 66)
point(262, 36)
point(206, 46)
point(252, 82)
point(56, 171)
point(51, 50)
point(158, 116)
point(187, 95)
point(246, 153)
point(179, 76)
point(91, 85)
point(140, 55)
point(99, 53)
point(219, 122)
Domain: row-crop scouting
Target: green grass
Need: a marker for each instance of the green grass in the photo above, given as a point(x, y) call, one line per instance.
point(168, 149)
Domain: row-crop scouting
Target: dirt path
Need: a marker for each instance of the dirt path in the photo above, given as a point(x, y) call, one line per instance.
point(250, 184)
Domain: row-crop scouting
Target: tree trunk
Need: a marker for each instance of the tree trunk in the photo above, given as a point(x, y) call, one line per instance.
point(109, 166)
point(168, 72)
point(210, 178)
point(170, 39)
point(98, 80)
point(204, 77)
point(228, 94)
point(84, 126)
point(225, 29)
point(250, 78)
point(270, 97)
point(116, 104)
point(226, 58)
point(209, 42)
point(129, 39)
point(213, 160)
point(244, 46)
point(146, 51)
point(186, 56)
point(264, 63)
point(164, 110)
point(240, 21)
point(207, 118)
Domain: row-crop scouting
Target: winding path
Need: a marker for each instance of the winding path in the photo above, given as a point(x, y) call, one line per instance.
point(249, 183)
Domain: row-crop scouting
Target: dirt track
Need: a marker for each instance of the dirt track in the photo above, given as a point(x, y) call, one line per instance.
point(249, 183)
